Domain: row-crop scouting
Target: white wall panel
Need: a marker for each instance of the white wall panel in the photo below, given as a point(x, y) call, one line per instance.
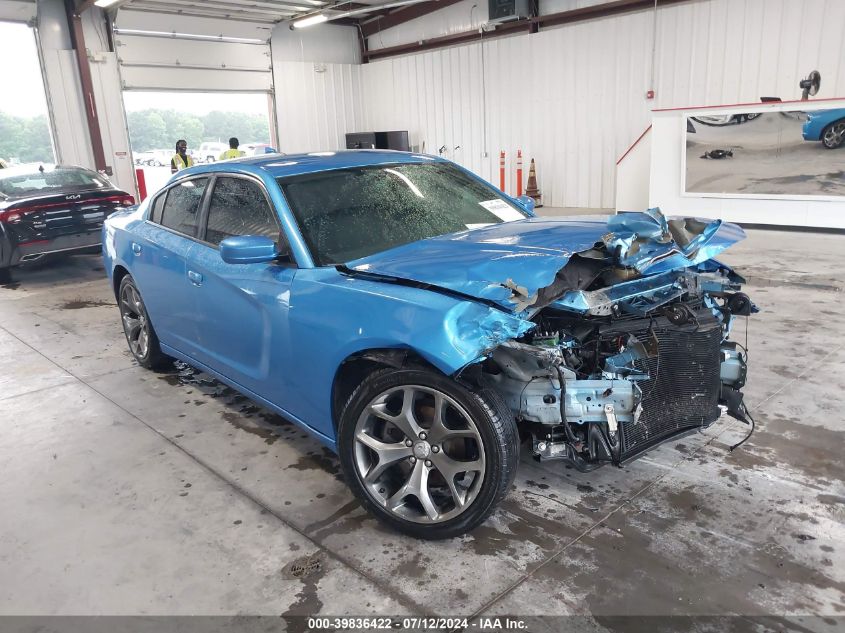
point(573, 102)
point(455, 18)
point(322, 43)
point(573, 97)
point(317, 104)
point(17, 10)
point(109, 98)
point(67, 117)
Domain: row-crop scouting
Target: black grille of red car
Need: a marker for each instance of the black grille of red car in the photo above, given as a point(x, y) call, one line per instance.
point(683, 388)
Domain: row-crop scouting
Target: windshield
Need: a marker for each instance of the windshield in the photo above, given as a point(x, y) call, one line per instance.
point(59, 180)
point(351, 213)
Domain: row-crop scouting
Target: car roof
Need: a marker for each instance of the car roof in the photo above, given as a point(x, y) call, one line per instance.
point(279, 165)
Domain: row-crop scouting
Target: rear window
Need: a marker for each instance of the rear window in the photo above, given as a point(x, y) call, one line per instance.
point(182, 206)
point(50, 181)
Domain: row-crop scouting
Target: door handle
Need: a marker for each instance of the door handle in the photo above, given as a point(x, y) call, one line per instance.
point(136, 248)
point(196, 278)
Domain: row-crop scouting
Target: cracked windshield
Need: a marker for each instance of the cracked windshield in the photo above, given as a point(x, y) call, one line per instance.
point(351, 213)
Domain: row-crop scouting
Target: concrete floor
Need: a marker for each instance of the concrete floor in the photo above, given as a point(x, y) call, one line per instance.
point(129, 492)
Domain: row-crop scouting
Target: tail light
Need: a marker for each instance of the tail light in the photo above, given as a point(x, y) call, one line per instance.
point(15, 215)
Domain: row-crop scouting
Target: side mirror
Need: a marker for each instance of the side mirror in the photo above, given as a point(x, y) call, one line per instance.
point(527, 203)
point(248, 249)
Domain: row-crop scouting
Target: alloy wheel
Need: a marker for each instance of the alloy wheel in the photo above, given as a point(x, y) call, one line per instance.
point(835, 135)
point(135, 323)
point(419, 454)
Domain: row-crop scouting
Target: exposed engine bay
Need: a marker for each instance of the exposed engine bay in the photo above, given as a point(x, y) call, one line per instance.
point(621, 362)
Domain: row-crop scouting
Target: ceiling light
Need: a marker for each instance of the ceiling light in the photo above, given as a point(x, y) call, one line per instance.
point(310, 21)
point(105, 3)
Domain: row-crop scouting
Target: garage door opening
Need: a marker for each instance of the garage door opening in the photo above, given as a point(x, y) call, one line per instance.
point(206, 121)
point(24, 122)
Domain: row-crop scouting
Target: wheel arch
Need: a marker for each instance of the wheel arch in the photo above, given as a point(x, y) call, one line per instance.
point(829, 126)
point(117, 276)
point(355, 367)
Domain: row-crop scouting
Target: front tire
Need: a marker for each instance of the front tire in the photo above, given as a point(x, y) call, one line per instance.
point(833, 135)
point(140, 334)
point(426, 455)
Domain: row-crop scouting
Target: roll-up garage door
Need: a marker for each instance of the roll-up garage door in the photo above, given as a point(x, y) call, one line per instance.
point(159, 51)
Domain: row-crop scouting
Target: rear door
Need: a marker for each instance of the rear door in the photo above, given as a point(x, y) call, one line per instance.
point(159, 247)
point(242, 309)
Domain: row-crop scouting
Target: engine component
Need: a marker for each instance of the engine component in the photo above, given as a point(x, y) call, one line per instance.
point(740, 304)
point(678, 314)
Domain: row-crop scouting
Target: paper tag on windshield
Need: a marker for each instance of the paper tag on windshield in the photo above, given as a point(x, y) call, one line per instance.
point(502, 210)
point(478, 226)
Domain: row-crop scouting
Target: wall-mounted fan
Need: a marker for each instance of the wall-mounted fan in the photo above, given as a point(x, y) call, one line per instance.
point(810, 85)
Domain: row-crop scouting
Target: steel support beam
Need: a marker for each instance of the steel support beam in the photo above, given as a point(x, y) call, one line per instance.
point(402, 15)
point(90, 104)
point(532, 24)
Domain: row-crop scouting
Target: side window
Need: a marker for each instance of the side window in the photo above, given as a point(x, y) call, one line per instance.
point(157, 206)
point(182, 207)
point(239, 207)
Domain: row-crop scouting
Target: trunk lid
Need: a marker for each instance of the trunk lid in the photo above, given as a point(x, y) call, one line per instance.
point(58, 214)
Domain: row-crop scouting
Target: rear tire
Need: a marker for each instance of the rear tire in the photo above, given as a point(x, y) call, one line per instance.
point(138, 329)
point(426, 455)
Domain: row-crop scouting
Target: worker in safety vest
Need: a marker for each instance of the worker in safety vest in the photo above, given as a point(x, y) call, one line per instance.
point(233, 151)
point(181, 159)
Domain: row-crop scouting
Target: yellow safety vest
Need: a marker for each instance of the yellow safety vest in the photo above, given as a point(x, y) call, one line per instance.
point(231, 153)
point(182, 163)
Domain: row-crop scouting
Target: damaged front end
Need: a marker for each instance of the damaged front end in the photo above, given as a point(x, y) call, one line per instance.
point(606, 338)
point(623, 358)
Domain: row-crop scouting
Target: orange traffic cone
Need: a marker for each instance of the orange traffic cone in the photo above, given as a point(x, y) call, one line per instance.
point(531, 188)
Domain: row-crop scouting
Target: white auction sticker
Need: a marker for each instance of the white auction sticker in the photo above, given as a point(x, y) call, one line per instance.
point(502, 210)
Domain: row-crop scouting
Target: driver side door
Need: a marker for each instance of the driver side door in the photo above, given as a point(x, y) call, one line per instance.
point(242, 309)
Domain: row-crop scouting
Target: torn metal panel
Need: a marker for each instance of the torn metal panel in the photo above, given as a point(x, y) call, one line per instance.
point(526, 264)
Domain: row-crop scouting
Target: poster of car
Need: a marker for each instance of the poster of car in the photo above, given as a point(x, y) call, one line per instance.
point(775, 153)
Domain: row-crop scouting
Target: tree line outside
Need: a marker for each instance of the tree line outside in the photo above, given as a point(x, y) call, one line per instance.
point(160, 129)
point(27, 139)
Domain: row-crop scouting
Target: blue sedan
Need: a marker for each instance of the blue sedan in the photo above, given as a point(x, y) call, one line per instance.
point(827, 126)
point(423, 324)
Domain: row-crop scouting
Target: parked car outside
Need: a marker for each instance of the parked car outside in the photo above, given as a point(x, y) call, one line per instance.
point(257, 149)
point(142, 158)
point(420, 323)
point(827, 126)
point(209, 151)
point(160, 157)
point(47, 209)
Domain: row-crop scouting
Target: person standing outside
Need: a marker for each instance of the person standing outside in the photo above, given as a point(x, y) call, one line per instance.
point(181, 159)
point(233, 151)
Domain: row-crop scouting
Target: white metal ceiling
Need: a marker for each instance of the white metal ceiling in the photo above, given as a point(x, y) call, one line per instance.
point(262, 11)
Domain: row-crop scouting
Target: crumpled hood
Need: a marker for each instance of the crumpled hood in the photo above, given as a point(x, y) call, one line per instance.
point(509, 263)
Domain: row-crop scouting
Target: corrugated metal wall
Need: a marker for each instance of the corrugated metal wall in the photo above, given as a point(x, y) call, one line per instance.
point(317, 74)
point(317, 104)
point(573, 97)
